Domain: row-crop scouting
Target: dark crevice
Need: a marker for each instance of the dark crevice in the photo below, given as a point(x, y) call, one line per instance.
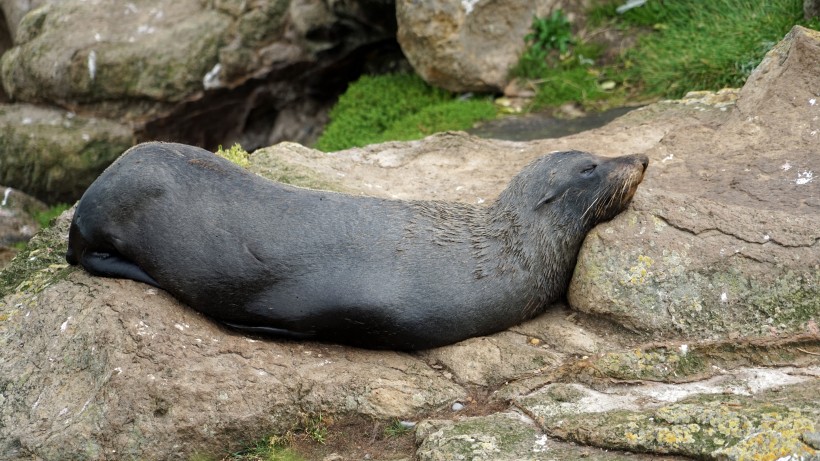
point(287, 104)
point(6, 43)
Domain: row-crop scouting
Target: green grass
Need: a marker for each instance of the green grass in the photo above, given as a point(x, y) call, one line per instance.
point(397, 107)
point(697, 45)
point(685, 45)
point(396, 429)
point(44, 218)
point(562, 67)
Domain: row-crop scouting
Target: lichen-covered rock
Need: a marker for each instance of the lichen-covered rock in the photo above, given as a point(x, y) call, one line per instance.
point(506, 436)
point(499, 437)
point(714, 419)
point(466, 45)
point(54, 154)
point(722, 236)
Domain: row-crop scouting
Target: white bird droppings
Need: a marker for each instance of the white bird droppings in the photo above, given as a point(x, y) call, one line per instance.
point(804, 177)
point(92, 65)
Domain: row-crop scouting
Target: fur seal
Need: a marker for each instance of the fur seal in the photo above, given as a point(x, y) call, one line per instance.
point(371, 272)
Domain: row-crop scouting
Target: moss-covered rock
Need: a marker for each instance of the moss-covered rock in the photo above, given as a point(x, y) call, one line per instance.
point(127, 59)
point(54, 154)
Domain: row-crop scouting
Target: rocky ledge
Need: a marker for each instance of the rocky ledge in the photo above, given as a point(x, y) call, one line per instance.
point(691, 331)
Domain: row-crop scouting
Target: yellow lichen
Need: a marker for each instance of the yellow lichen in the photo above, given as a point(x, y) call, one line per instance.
point(638, 273)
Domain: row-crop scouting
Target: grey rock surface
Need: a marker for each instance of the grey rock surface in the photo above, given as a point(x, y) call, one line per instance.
point(54, 154)
point(466, 45)
point(91, 365)
point(723, 235)
point(16, 222)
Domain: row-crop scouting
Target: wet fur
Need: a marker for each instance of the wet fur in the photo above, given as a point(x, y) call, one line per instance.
point(377, 273)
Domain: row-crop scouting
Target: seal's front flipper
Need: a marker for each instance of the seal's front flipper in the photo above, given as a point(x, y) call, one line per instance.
point(114, 265)
point(271, 331)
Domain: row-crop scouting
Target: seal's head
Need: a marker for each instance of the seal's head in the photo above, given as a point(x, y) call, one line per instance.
point(578, 189)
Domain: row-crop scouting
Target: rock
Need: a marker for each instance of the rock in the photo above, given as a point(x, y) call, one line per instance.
point(54, 154)
point(17, 224)
point(490, 361)
point(506, 436)
point(201, 72)
point(466, 45)
point(91, 365)
point(114, 63)
point(14, 10)
point(706, 420)
point(722, 235)
point(811, 9)
point(114, 366)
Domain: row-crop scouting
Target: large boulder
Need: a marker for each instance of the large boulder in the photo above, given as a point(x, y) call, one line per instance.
point(90, 366)
point(466, 45)
point(54, 154)
point(722, 237)
point(128, 60)
point(205, 73)
point(170, 68)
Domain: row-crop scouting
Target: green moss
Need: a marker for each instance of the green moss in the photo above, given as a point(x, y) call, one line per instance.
point(44, 218)
point(235, 154)
point(39, 264)
point(397, 106)
point(450, 115)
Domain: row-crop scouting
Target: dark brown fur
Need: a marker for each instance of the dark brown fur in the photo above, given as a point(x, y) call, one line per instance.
point(267, 257)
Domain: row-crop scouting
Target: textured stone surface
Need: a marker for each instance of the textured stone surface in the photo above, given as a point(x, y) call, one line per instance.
point(205, 73)
point(723, 235)
point(54, 154)
point(466, 45)
point(101, 366)
point(129, 59)
point(91, 365)
point(16, 222)
point(706, 420)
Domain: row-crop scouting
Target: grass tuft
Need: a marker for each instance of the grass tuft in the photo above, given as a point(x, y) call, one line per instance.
point(698, 45)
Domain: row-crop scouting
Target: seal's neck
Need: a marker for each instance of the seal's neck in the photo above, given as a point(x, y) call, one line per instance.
point(544, 241)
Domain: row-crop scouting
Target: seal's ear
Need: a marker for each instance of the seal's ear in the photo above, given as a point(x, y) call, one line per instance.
point(549, 195)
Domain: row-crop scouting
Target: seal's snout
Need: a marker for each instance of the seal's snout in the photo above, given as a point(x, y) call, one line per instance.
point(644, 160)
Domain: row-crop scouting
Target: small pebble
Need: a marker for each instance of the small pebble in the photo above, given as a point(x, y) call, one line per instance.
point(458, 406)
point(407, 424)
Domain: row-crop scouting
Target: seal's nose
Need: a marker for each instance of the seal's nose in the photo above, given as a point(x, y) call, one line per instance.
point(644, 161)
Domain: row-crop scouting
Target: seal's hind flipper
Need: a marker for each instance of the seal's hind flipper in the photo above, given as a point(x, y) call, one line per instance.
point(114, 265)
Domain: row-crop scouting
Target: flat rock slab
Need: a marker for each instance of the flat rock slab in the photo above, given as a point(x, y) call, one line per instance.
point(773, 412)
